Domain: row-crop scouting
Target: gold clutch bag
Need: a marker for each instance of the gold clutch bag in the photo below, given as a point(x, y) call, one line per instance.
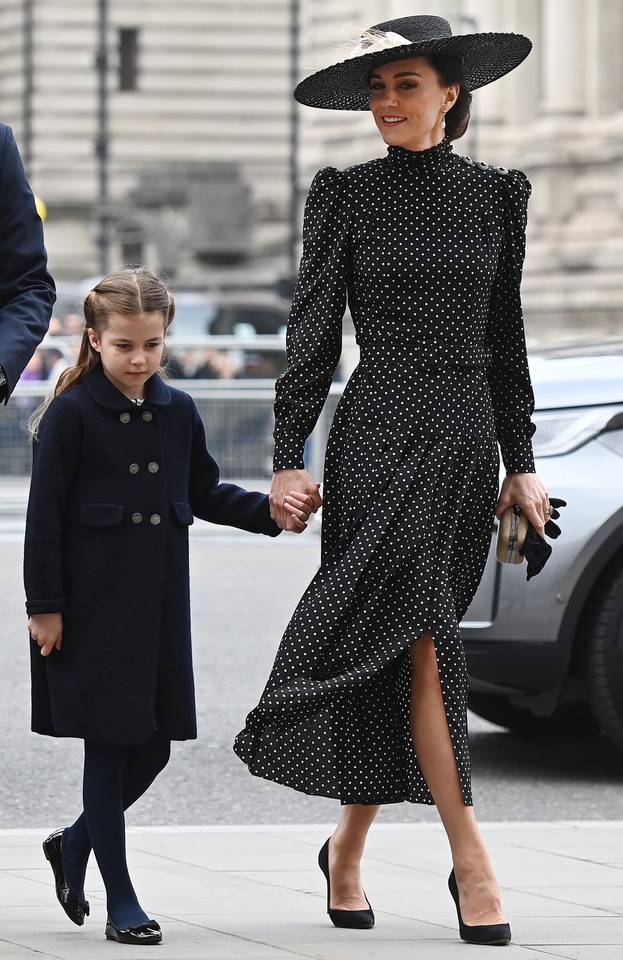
point(512, 533)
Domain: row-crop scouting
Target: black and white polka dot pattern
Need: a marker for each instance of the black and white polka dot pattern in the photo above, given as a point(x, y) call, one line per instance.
point(428, 248)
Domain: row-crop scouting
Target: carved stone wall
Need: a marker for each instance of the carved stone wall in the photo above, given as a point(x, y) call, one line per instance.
point(558, 117)
point(214, 88)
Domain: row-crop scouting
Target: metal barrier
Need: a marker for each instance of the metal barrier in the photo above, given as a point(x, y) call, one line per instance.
point(237, 413)
point(238, 417)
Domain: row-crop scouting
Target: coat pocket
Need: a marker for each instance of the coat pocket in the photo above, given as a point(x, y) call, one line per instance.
point(183, 513)
point(101, 514)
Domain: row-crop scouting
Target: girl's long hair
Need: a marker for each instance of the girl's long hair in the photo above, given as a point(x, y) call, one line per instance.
point(129, 291)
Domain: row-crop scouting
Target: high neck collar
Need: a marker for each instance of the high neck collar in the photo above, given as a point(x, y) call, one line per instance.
point(426, 161)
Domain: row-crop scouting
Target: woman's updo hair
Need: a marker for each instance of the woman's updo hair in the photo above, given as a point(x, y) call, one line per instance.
point(450, 70)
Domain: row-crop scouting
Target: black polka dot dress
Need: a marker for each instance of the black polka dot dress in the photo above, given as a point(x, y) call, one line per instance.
point(428, 248)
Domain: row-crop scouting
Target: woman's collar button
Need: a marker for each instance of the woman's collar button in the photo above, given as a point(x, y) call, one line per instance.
point(147, 415)
point(124, 417)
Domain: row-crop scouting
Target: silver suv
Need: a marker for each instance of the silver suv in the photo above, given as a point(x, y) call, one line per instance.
point(546, 657)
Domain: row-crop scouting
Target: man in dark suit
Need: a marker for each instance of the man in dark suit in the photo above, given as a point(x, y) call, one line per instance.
point(27, 291)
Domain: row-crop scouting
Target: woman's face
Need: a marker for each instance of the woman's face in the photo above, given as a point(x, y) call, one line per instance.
point(408, 103)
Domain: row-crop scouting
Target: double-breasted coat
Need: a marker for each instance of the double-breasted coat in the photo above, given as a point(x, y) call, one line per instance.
point(114, 490)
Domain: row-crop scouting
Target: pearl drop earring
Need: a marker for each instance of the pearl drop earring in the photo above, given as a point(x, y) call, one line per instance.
point(443, 121)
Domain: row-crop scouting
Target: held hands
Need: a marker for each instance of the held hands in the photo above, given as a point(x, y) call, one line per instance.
point(293, 497)
point(46, 629)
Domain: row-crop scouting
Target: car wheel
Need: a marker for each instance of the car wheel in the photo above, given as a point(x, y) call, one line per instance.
point(568, 721)
point(604, 659)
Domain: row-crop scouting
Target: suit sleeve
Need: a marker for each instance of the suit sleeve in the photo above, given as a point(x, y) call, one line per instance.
point(56, 457)
point(27, 291)
point(223, 503)
point(314, 333)
point(509, 376)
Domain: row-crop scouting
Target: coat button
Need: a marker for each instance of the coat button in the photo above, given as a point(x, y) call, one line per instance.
point(153, 467)
point(124, 417)
point(134, 468)
point(137, 518)
point(147, 415)
point(155, 519)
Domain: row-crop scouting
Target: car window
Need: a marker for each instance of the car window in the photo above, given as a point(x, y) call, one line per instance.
point(192, 319)
point(261, 319)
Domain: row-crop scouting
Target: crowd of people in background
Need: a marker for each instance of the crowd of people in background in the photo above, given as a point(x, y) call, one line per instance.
point(189, 363)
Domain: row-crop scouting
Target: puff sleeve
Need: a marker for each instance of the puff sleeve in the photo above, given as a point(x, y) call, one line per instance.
point(509, 376)
point(314, 333)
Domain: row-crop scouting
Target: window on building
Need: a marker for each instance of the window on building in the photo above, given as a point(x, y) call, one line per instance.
point(128, 58)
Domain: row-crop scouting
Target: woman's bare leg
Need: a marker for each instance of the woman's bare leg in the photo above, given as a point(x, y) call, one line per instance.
point(345, 853)
point(479, 892)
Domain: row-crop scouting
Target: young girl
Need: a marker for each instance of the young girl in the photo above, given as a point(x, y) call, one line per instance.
point(120, 466)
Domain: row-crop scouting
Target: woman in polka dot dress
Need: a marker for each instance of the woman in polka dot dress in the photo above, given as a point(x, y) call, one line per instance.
point(367, 698)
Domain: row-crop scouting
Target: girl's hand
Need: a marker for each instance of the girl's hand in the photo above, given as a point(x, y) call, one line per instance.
point(46, 629)
point(293, 497)
point(526, 490)
point(299, 506)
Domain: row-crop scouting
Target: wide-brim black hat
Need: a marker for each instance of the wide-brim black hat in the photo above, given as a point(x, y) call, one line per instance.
point(484, 57)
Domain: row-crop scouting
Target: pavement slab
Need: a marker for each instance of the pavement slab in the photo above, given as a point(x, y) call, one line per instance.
point(255, 893)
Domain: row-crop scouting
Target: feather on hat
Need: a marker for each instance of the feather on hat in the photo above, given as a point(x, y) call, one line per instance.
point(345, 85)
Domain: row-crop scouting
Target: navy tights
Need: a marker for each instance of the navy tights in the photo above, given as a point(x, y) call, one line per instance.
point(114, 777)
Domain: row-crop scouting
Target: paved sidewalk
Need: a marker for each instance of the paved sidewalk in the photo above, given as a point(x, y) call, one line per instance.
point(255, 893)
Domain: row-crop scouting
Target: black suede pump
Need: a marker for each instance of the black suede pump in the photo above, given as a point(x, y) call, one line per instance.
point(352, 919)
point(486, 934)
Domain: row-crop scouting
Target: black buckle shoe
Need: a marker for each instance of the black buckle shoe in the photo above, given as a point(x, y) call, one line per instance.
point(76, 907)
point(145, 933)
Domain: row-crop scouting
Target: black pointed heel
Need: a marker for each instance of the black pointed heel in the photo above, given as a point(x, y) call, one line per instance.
point(352, 919)
point(491, 934)
point(75, 906)
point(145, 933)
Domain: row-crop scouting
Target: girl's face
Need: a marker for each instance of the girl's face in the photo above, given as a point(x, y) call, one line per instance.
point(408, 103)
point(130, 349)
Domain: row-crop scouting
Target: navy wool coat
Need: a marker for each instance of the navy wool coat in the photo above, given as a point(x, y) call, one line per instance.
point(114, 489)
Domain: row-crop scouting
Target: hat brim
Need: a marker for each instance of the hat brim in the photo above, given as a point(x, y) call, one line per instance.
point(485, 57)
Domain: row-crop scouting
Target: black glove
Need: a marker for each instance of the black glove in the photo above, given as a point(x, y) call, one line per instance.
point(552, 529)
point(535, 550)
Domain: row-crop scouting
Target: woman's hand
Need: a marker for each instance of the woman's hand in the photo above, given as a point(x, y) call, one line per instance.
point(293, 497)
point(526, 490)
point(46, 629)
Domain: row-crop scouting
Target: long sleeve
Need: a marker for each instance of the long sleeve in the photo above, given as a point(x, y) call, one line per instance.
point(509, 376)
point(56, 455)
point(27, 291)
point(223, 503)
point(314, 334)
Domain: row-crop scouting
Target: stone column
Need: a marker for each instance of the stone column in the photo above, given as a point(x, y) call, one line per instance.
point(489, 104)
point(604, 36)
point(524, 83)
point(564, 57)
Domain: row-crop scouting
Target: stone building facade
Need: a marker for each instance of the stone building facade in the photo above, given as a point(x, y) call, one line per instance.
point(202, 153)
point(558, 117)
point(196, 99)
